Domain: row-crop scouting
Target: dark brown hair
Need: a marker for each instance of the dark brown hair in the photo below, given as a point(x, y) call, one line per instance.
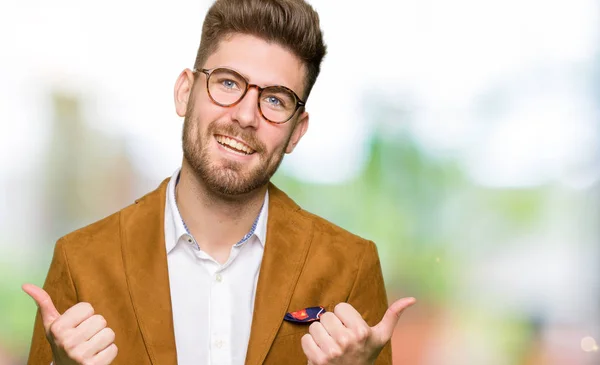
point(292, 24)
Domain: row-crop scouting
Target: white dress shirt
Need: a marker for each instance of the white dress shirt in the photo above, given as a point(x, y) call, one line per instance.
point(212, 303)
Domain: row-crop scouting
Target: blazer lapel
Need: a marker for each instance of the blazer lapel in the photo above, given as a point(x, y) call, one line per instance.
point(288, 241)
point(145, 260)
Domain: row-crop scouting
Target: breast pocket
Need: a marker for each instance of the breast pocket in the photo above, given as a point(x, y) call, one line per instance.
point(289, 328)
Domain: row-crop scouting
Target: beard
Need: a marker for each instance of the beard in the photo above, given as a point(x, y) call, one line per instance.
point(227, 177)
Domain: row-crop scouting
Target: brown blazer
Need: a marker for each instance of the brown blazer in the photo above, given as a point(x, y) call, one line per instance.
point(119, 265)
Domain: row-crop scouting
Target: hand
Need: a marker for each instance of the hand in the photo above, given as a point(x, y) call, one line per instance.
point(77, 337)
point(343, 337)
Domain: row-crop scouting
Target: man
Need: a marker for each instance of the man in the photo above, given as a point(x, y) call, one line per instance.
point(218, 266)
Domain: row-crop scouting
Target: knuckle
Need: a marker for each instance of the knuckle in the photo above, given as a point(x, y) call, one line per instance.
point(340, 307)
point(110, 334)
point(92, 361)
point(344, 341)
point(101, 320)
point(68, 344)
point(321, 360)
point(334, 353)
point(114, 351)
point(78, 356)
point(58, 342)
point(327, 316)
point(363, 333)
point(314, 326)
point(305, 339)
point(56, 330)
point(86, 308)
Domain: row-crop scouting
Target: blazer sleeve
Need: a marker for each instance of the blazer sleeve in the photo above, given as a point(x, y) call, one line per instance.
point(59, 286)
point(368, 295)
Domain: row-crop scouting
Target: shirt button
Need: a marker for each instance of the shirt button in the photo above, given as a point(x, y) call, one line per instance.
point(218, 278)
point(219, 344)
point(191, 241)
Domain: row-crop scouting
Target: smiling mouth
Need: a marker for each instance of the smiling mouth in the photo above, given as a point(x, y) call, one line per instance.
point(234, 145)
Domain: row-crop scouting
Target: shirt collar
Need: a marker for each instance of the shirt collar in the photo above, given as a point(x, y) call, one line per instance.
point(261, 226)
point(176, 228)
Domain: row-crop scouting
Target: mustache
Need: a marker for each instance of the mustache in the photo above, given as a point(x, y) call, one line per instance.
point(233, 130)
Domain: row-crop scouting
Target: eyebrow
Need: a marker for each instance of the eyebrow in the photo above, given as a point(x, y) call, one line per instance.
point(248, 78)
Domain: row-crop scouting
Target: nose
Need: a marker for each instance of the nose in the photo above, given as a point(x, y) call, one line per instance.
point(246, 111)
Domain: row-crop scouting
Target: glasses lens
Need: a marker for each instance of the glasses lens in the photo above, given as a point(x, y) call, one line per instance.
point(226, 87)
point(277, 104)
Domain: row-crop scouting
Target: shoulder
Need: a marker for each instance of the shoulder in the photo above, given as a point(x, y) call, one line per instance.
point(325, 233)
point(327, 230)
point(107, 231)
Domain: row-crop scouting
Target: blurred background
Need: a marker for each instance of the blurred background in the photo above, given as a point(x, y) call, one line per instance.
point(462, 137)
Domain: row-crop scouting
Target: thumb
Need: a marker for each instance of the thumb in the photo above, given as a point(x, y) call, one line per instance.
point(382, 331)
point(44, 302)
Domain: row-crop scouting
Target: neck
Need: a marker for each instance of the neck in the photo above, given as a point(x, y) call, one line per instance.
point(217, 222)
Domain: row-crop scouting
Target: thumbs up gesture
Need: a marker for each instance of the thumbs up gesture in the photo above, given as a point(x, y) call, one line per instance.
point(343, 337)
point(78, 336)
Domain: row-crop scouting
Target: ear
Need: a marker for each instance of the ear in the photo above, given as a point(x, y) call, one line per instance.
point(299, 129)
point(183, 91)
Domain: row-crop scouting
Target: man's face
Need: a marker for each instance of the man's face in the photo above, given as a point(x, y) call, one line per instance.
point(234, 150)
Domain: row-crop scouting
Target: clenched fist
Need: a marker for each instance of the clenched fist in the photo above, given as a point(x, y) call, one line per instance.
point(78, 336)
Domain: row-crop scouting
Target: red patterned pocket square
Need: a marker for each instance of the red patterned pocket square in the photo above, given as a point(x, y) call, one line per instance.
point(305, 315)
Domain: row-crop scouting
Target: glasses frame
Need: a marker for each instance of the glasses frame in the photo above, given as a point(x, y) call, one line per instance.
point(208, 73)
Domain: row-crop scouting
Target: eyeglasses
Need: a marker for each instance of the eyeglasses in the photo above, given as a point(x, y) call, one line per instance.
point(226, 87)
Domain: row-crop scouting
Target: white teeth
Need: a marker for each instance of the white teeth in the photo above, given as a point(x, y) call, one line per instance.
point(226, 141)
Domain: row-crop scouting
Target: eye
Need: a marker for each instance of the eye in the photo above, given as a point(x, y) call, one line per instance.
point(228, 84)
point(272, 100)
